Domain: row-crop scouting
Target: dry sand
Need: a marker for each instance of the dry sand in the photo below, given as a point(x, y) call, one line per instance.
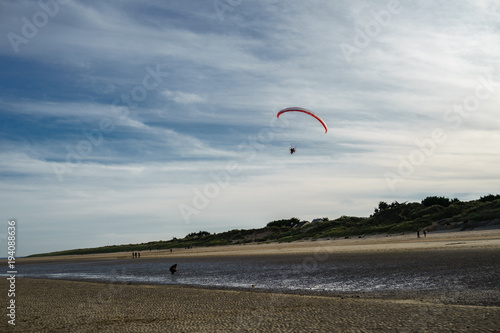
point(71, 306)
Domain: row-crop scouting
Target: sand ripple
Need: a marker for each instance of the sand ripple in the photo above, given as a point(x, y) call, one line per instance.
point(68, 306)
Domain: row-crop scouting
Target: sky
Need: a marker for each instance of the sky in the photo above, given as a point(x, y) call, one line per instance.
point(127, 122)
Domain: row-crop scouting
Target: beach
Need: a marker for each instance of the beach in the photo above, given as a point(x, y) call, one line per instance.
point(44, 305)
point(370, 243)
point(71, 306)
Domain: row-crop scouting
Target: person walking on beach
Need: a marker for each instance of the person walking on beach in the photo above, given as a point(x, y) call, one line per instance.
point(173, 269)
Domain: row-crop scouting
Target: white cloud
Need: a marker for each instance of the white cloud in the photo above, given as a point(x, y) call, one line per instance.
point(183, 97)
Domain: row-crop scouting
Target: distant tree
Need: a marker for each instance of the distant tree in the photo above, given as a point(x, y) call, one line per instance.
point(435, 200)
point(198, 234)
point(382, 205)
point(284, 223)
point(489, 197)
point(394, 204)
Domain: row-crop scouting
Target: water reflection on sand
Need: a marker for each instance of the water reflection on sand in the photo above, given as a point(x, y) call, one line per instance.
point(436, 271)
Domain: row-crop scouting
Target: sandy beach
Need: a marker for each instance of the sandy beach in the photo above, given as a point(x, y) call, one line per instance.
point(69, 306)
point(74, 306)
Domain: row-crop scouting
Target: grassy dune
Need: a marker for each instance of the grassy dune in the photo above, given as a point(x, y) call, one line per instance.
point(432, 214)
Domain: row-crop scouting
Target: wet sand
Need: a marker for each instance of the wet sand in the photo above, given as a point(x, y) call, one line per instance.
point(72, 306)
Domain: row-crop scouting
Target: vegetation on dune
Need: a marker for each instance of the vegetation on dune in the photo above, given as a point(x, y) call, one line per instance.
point(432, 213)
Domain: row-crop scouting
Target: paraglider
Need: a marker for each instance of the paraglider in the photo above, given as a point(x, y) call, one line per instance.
point(306, 111)
point(297, 109)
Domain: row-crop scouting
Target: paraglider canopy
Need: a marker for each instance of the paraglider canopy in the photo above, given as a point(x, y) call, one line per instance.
point(298, 109)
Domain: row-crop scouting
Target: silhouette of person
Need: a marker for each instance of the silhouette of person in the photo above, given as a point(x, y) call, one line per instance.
point(173, 269)
point(425, 233)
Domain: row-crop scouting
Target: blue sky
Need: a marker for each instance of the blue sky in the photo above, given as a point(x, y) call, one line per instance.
point(128, 122)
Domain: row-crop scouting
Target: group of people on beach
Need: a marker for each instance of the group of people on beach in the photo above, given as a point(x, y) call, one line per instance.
point(136, 255)
point(424, 232)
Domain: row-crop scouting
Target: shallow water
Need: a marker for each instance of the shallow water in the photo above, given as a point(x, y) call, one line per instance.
point(440, 271)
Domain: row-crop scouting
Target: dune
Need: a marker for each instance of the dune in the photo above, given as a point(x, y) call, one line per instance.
point(400, 242)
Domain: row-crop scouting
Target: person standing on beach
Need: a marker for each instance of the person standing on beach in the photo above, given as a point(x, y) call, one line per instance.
point(173, 269)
